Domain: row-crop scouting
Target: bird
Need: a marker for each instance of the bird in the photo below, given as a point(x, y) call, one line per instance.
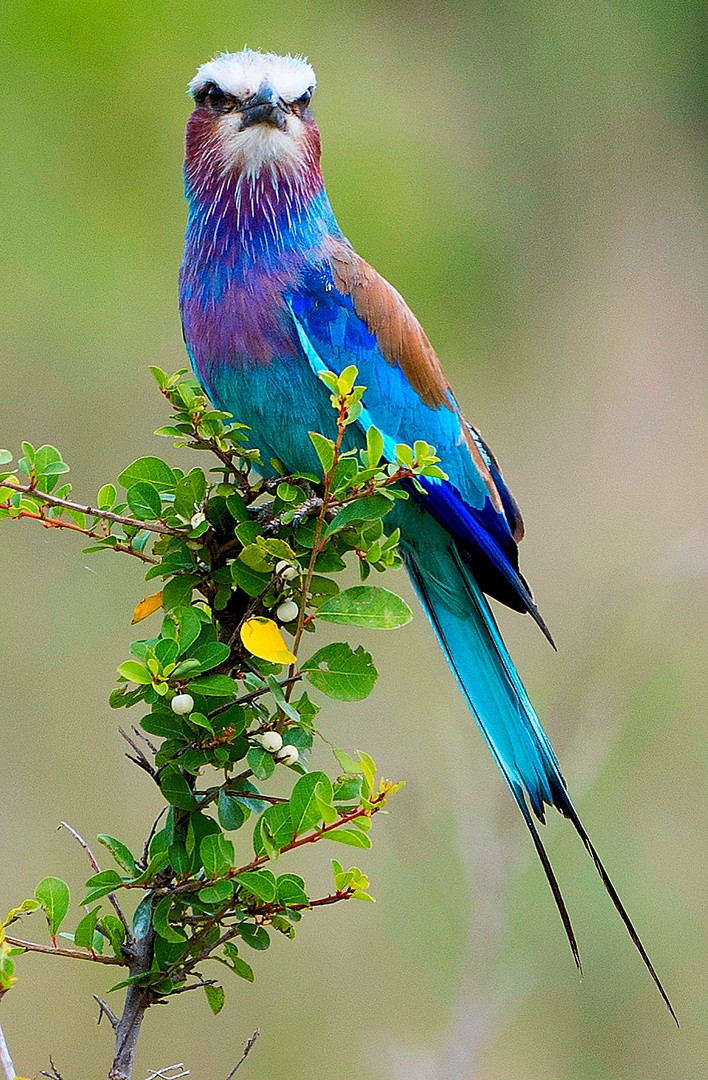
point(272, 295)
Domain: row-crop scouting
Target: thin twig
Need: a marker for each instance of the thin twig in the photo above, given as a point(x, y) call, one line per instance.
point(5, 1058)
point(97, 869)
point(92, 511)
point(73, 954)
point(168, 1072)
point(246, 699)
point(140, 759)
point(107, 1011)
point(153, 830)
point(246, 1051)
point(54, 1074)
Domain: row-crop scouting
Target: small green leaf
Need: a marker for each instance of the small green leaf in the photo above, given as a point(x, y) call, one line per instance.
point(151, 470)
point(176, 789)
point(160, 920)
point(217, 893)
point(107, 881)
point(116, 932)
point(366, 605)
point(231, 813)
point(83, 935)
point(304, 810)
point(353, 837)
point(217, 855)
point(215, 996)
point(53, 894)
point(291, 890)
point(367, 509)
point(255, 936)
point(144, 502)
point(341, 673)
point(324, 449)
point(237, 965)
point(260, 762)
point(374, 447)
point(135, 672)
point(214, 686)
point(250, 581)
point(123, 855)
point(259, 883)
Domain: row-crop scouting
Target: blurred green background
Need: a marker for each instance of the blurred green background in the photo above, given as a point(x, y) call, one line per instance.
point(532, 176)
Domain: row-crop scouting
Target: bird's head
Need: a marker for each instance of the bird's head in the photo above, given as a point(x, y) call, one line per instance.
point(252, 113)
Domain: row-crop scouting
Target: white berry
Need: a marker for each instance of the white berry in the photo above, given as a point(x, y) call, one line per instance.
point(270, 741)
point(288, 755)
point(182, 704)
point(287, 611)
point(286, 570)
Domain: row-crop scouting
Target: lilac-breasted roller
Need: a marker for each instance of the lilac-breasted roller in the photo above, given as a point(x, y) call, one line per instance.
point(272, 294)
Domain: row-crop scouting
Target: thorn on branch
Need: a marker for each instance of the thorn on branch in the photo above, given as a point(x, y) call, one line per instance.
point(105, 1010)
point(140, 759)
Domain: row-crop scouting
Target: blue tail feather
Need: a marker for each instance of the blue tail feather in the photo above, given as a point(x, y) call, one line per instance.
point(469, 637)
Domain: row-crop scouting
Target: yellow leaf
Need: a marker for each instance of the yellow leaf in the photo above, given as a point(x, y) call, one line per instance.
point(147, 606)
point(263, 638)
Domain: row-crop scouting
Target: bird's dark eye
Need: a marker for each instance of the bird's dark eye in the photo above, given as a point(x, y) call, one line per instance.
point(213, 97)
point(304, 101)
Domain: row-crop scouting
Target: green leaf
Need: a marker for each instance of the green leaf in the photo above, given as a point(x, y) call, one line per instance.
point(144, 501)
point(238, 966)
point(366, 509)
point(116, 932)
point(250, 581)
point(160, 920)
point(214, 686)
point(212, 654)
point(107, 881)
point(177, 592)
point(291, 890)
point(231, 813)
point(123, 855)
point(341, 673)
point(106, 497)
point(255, 936)
point(259, 883)
point(215, 996)
point(304, 810)
point(374, 447)
point(165, 723)
point(176, 789)
point(157, 863)
point(217, 893)
point(260, 762)
point(325, 450)
point(83, 935)
point(189, 626)
point(353, 837)
point(217, 855)
point(152, 470)
point(135, 672)
point(366, 605)
point(53, 894)
point(142, 917)
point(5, 457)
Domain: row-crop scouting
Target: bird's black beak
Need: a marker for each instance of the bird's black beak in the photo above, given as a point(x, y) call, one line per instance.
point(264, 108)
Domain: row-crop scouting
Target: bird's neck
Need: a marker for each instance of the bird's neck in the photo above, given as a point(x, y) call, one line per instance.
point(239, 217)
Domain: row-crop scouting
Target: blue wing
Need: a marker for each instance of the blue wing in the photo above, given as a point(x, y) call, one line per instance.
point(407, 398)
